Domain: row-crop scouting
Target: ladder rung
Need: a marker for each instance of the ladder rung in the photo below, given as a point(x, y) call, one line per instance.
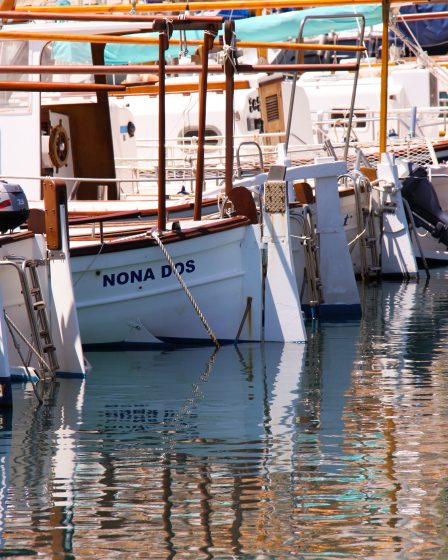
point(39, 305)
point(48, 348)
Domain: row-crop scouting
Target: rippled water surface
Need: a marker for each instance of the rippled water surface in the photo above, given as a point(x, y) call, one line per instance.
point(333, 449)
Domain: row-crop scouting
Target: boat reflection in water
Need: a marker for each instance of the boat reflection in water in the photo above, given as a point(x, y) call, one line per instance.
point(38, 447)
point(189, 448)
point(335, 448)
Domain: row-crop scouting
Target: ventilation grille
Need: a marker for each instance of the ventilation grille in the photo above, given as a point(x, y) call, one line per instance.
point(272, 111)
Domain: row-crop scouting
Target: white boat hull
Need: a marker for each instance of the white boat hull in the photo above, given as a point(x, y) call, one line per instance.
point(132, 296)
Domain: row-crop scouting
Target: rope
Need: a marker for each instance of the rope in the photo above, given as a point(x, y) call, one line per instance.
point(413, 230)
point(201, 316)
point(230, 52)
point(437, 70)
point(81, 276)
point(174, 425)
point(183, 45)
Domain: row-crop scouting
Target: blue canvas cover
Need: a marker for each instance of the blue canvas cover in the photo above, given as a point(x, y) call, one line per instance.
point(269, 28)
point(431, 32)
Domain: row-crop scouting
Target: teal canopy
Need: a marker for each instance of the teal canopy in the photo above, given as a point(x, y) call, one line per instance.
point(269, 28)
point(281, 27)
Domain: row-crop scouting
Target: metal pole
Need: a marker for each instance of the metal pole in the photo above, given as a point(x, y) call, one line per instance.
point(299, 64)
point(355, 87)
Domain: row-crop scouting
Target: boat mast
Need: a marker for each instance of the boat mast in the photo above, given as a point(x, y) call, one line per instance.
point(384, 76)
point(229, 69)
point(161, 175)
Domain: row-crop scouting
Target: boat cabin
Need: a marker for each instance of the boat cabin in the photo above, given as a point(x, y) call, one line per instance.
point(72, 134)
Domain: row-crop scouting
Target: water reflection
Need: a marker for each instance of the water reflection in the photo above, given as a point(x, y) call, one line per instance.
point(39, 445)
point(335, 449)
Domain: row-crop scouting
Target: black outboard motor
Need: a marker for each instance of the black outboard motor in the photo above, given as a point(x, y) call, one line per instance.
point(424, 204)
point(14, 209)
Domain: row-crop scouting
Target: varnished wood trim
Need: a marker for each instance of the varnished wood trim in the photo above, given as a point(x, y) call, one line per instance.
point(13, 238)
point(118, 245)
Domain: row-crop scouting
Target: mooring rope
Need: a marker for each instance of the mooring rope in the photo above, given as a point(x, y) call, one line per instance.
point(155, 235)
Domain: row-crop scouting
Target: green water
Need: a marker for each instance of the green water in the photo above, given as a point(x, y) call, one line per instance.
point(333, 449)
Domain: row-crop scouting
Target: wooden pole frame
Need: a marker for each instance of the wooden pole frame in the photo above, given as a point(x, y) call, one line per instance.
point(161, 175)
point(181, 7)
point(200, 167)
point(229, 69)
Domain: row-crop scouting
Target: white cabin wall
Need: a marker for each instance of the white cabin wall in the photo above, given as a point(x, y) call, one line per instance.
point(425, 95)
point(20, 152)
point(182, 115)
point(125, 146)
point(301, 124)
point(326, 92)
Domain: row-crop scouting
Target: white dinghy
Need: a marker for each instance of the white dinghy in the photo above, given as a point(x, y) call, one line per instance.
point(39, 332)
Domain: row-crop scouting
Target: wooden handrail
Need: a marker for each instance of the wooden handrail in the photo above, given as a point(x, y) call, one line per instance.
point(81, 38)
point(58, 87)
point(104, 217)
point(169, 69)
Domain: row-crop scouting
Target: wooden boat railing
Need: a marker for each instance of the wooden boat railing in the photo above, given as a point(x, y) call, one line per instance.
point(164, 28)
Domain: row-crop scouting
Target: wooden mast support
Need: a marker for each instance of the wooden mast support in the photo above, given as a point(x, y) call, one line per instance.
point(179, 22)
point(210, 5)
point(209, 38)
point(384, 77)
point(161, 176)
point(59, 87)
point(298, 46)
point(229, 70)
point(103, 116)
point(154, 41)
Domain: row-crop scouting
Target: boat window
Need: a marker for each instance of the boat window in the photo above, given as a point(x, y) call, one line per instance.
point(14, 53)
point(65, 53)
point(340, 117)
point(190, 135)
